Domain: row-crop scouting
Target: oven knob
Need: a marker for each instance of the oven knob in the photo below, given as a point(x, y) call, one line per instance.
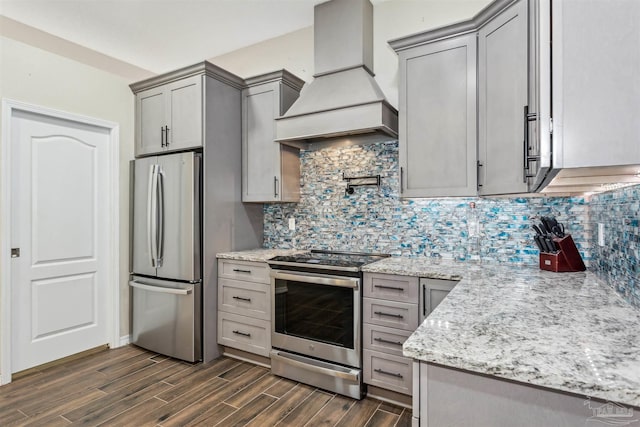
point(312, 347)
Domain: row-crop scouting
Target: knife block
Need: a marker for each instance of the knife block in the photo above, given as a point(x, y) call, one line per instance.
point(566, 260)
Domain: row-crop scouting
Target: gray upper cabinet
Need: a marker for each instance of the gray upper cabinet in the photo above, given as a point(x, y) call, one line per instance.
point(437, 117)
point(587, 91)
point(270, 171)
point(595, 83)
point(169, 116)
point(502, 98)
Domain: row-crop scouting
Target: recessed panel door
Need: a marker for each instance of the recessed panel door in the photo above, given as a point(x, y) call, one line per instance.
point(184, 121)
point(61, 227)
point(151, 119)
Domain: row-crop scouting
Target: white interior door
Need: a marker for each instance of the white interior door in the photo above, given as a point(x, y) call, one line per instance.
point(60, 222)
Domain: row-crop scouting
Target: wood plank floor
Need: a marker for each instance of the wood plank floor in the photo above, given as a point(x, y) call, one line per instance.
point(129, 386)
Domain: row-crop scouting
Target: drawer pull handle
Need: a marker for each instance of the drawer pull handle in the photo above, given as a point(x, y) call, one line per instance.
point(382, 340)
point(244, 334)
point(391, 374)
point(239, 270)
point(382, 313)
point(395, 288)
point(242, 298)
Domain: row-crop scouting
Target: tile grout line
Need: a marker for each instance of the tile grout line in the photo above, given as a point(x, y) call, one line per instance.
point(294, 408)
point(399, 417)
point(318, 411)
point(222, 403)
point(346, 412)
point(373, 413)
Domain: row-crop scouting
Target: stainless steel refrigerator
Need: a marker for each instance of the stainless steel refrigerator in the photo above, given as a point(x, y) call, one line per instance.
point(167, 255)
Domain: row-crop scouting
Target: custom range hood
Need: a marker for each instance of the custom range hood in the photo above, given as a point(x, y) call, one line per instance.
point(343, 102)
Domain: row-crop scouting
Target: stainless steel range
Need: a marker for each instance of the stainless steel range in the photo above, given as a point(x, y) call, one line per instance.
point(316, 319)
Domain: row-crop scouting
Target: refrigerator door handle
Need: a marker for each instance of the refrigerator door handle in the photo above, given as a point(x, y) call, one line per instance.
point(160, 289)
point(160, 220)
point(152, 214)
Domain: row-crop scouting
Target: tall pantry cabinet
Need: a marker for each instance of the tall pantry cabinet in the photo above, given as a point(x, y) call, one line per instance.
point(199, 108)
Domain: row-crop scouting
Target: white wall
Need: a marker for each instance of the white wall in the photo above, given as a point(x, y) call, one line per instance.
point(36, 76)
point(391, 19)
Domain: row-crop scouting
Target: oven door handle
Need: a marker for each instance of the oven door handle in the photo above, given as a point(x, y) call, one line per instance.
point(317, 366)
point(344, 282)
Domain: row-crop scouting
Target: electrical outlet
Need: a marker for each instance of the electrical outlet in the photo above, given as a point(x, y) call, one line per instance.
point(292, 224)
point(600, 234)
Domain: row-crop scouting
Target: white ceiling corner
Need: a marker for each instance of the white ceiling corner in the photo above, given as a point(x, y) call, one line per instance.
point(162, 35)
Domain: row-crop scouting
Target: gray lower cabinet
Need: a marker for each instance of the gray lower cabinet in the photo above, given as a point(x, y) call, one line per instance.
point(437, 118)
point(432, 292)
point(452, 397)
point(502, 98)
point(393, 307)
point(244, 306)
point(390, 315)
point(270, 171)
point(169, 116)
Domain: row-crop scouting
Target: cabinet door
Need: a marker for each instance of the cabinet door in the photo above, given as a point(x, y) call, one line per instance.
point(184, 119)
point(260, 153)
point(433, 292)
point(502, 96)
point(596, 83)
point(438, 118)
point(150, 119)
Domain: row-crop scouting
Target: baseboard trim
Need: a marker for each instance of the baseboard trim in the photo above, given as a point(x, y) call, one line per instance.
point(246, 357)
point(124, 340)
point(389, 396)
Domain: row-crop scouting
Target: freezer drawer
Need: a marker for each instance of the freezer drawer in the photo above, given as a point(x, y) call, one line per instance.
point(167, 317)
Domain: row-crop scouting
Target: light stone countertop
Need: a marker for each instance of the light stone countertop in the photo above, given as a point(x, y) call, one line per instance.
point(564, 331)
point(257, 255)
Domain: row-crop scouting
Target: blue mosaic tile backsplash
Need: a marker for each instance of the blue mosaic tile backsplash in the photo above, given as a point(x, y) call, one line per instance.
point(617, 261)
point(377, 220)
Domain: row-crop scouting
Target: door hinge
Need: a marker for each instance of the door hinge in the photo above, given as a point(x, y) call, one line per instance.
point(551, 125)
point(15, 252)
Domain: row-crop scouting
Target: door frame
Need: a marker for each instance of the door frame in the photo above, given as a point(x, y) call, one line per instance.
point(9, 107)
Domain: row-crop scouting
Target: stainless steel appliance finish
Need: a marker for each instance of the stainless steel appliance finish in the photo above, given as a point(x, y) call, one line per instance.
point(167, 317)
point(316, 319)
point(329, 376)
point(167, 255)
point(317, 315)
point(344, 98)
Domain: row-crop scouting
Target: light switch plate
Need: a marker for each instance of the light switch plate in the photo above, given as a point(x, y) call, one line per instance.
point(292, 224)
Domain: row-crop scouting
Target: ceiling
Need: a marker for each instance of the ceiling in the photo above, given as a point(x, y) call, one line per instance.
point(162, 35)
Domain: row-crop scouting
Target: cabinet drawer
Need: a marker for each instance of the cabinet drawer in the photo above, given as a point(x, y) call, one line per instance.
point(244, 298)
point(383, 339)
point(389, 287)
point(393, 314)
point(244, 270)
point(244, 333)
point(388, 371)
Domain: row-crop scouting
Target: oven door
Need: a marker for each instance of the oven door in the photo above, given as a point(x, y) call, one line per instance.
point(317, 315)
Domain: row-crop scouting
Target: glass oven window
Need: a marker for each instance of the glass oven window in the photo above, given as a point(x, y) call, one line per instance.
point(315, 312)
